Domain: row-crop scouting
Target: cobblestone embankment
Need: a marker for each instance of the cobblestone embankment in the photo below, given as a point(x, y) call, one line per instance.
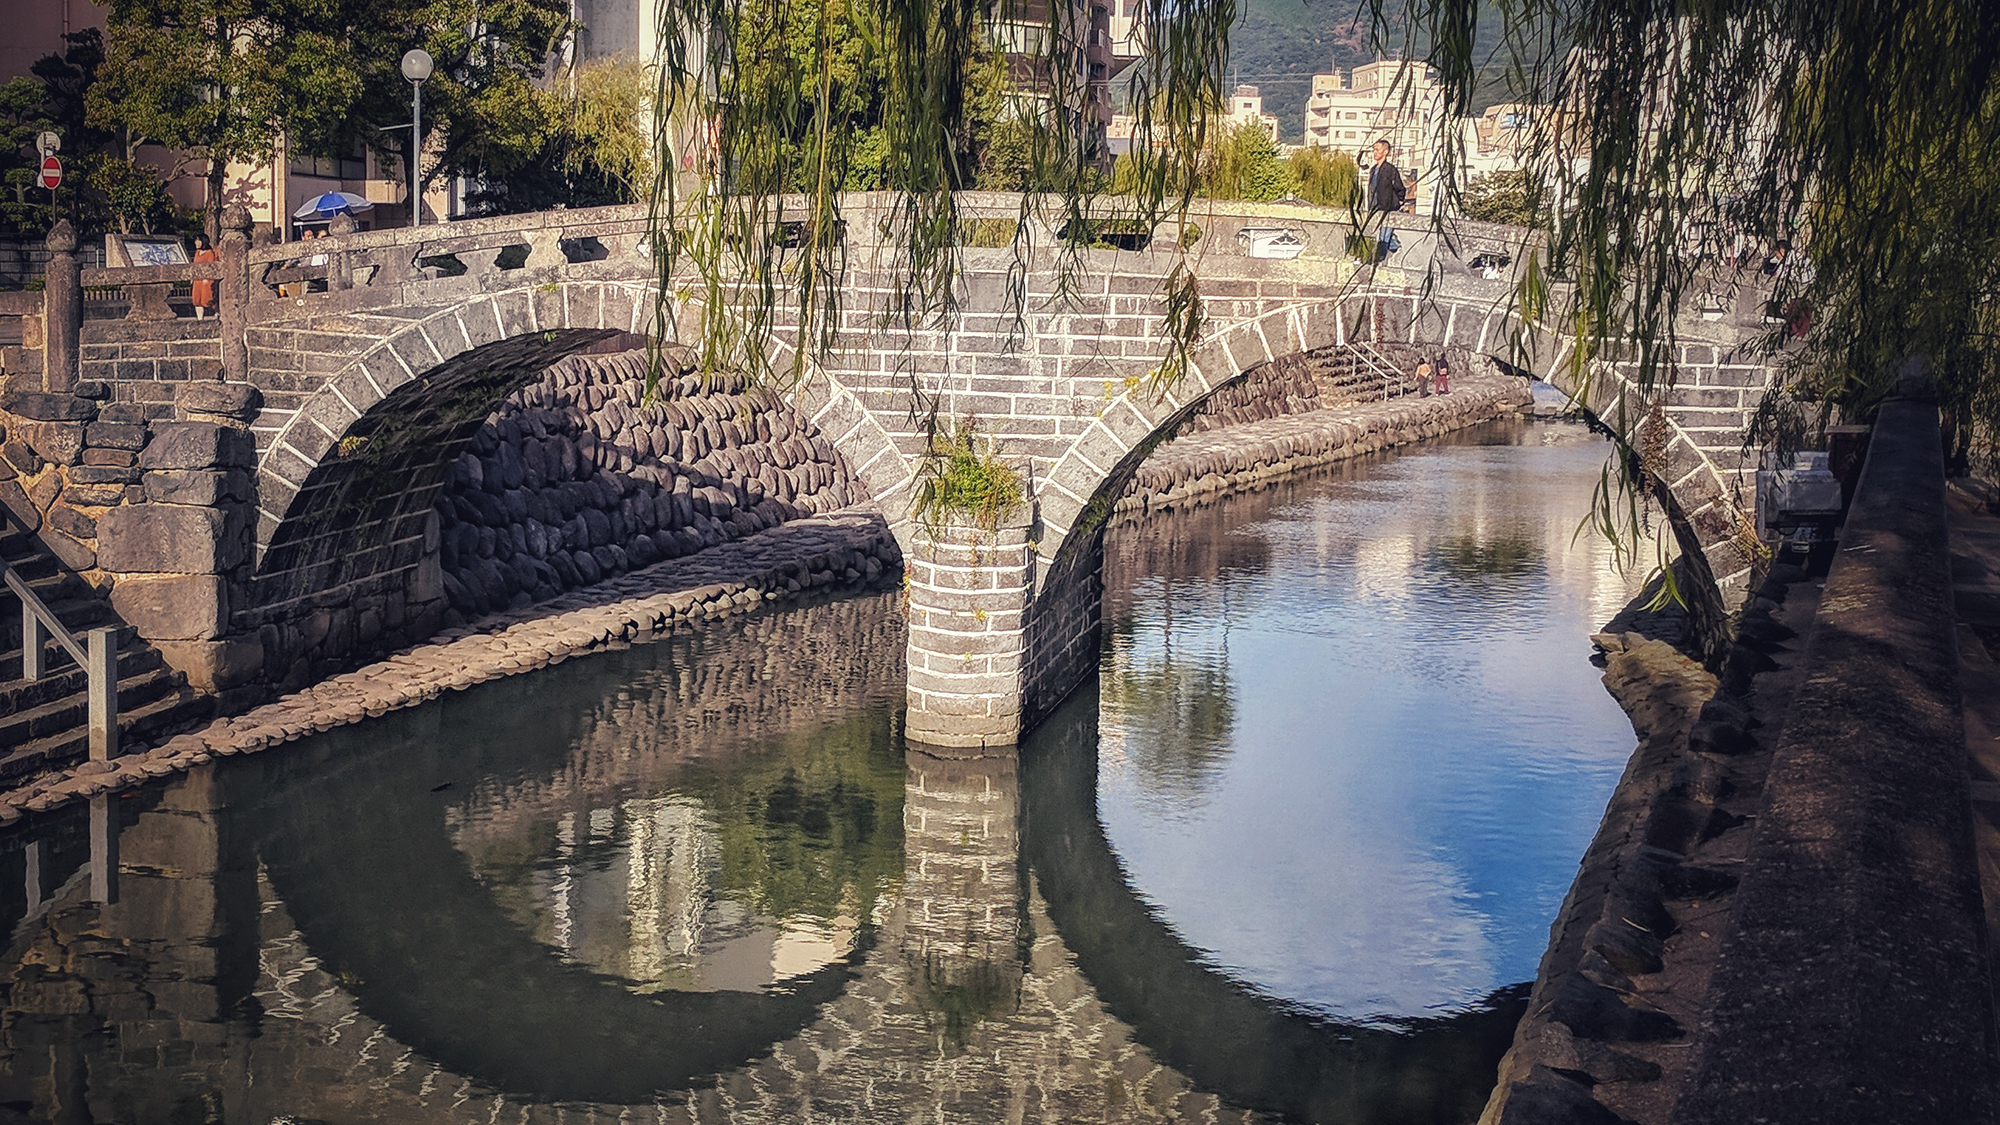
point(1204, 463)
point(843, 548)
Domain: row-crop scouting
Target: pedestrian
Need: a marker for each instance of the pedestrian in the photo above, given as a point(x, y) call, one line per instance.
point(1424, 377)
point(204, 289)
point(1443, 376)
point(1386, 195)
point(1776, 261)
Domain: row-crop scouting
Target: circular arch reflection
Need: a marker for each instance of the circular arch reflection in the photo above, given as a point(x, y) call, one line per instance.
point(1252, 1049)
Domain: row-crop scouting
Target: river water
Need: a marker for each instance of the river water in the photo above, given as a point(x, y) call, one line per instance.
point(1292, 855)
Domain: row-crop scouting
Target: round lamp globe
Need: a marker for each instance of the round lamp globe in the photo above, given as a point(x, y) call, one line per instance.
point(417, 65)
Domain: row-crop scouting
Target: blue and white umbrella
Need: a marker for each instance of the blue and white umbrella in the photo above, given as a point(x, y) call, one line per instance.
point(331, 204)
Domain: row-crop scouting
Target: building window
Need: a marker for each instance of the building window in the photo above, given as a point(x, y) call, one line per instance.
point(351, 167)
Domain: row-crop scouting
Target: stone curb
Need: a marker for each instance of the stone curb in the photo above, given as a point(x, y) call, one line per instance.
point(846, 547)
point(1196, 466)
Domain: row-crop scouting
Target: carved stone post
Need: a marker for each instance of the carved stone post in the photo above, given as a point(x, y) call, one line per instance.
point(62, 311)
point(341, 274)
point(233, 291)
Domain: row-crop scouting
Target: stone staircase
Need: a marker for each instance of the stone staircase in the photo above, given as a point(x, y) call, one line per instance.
point(43, 722)
point(1316, 380)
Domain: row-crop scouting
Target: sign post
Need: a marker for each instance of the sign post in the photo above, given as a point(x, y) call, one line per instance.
point(50, 177)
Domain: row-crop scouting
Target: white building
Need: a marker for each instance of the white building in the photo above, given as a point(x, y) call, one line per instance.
point(1247, 105)
point(1496, 141)
point(1108, 35)
point(1391, 100)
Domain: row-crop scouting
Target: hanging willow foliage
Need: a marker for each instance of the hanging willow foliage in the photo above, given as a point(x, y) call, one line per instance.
point(1862, 132)
point(1671, 137)
point(757, 97)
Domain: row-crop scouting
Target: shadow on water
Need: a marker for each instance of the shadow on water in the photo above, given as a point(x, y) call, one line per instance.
point(1249, 1048)
point(443, 869)
point(355, 831)
point(355, 839)
point(389, 905)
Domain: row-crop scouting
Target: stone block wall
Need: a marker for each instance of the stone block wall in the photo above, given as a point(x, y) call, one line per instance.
point(178, 556)
point(579, 477)
point(1316, 380)
point(144, 364)
point(968, 602)
point(66, 460)
point(1065, 626)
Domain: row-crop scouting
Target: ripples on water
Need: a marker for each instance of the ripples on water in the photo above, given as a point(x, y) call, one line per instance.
point(1352, 745)
point(1349, 752)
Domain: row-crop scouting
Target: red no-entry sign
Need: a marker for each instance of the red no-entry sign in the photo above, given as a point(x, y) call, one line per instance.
point(51, 173)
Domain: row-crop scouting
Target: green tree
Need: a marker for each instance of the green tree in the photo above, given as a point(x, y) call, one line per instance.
point(103, 188)
point(1499, 197)
point(1244, 164)
point(222, 80)
point(593, 150)
point(1326, 177)
point(22, 116)
point(122, 193)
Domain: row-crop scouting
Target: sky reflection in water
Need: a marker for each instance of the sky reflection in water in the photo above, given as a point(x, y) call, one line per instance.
point(1354, 748)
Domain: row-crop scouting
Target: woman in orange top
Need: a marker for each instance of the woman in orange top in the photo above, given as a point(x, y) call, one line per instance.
point(204, 289)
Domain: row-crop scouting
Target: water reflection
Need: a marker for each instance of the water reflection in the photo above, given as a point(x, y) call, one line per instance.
point(735, 875)
point(706, 880)
point(1382, 672)
point(701, 881)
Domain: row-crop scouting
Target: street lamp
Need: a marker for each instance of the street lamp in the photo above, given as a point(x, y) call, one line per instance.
point(417, 68)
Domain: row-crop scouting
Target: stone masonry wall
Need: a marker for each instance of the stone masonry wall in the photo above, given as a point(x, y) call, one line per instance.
point(578, 477)
point(68, 459)
point(968, 602)
point(1307, 381)
point(143, 364)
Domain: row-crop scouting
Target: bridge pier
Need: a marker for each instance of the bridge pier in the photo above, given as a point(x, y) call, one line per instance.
point(968, 600)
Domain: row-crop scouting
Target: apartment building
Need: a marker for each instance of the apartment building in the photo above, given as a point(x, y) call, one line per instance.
point(1110, 36)
point(1393, 100)
point(1246, 105)
point(1497, 140)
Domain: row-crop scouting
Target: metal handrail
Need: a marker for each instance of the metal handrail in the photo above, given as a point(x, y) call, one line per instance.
point(96, 653)
point(1380, 363)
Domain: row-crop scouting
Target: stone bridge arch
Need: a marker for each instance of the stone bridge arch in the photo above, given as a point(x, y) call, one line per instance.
point(1075, 496)
point(1075, 492)
point(346, 484)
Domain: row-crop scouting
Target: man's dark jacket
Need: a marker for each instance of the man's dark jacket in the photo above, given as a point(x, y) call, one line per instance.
point(1385, 188)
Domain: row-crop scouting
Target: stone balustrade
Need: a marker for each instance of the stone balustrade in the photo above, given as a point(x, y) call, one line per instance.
point(360, 366)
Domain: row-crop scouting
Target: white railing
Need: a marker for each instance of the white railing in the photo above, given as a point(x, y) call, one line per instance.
point(1380, 364)
point(96, 653)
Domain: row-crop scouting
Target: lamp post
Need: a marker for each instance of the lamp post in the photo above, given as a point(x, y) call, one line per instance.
point(417, 68)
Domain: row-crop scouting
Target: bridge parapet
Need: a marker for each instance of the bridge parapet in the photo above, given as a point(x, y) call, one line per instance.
point(1050, 351)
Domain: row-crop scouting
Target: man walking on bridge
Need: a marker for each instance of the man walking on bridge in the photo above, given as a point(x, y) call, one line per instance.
point(1386, 194)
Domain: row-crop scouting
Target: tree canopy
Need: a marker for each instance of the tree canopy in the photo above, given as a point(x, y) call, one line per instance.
point(223, 80)
point(104, 188)
point(1863, 132)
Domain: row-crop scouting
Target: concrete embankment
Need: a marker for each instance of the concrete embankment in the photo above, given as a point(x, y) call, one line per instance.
point(1208, 462)
point(1780, 919)
point(844, 549)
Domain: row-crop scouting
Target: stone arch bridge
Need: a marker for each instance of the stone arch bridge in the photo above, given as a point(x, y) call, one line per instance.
point(300, 439)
